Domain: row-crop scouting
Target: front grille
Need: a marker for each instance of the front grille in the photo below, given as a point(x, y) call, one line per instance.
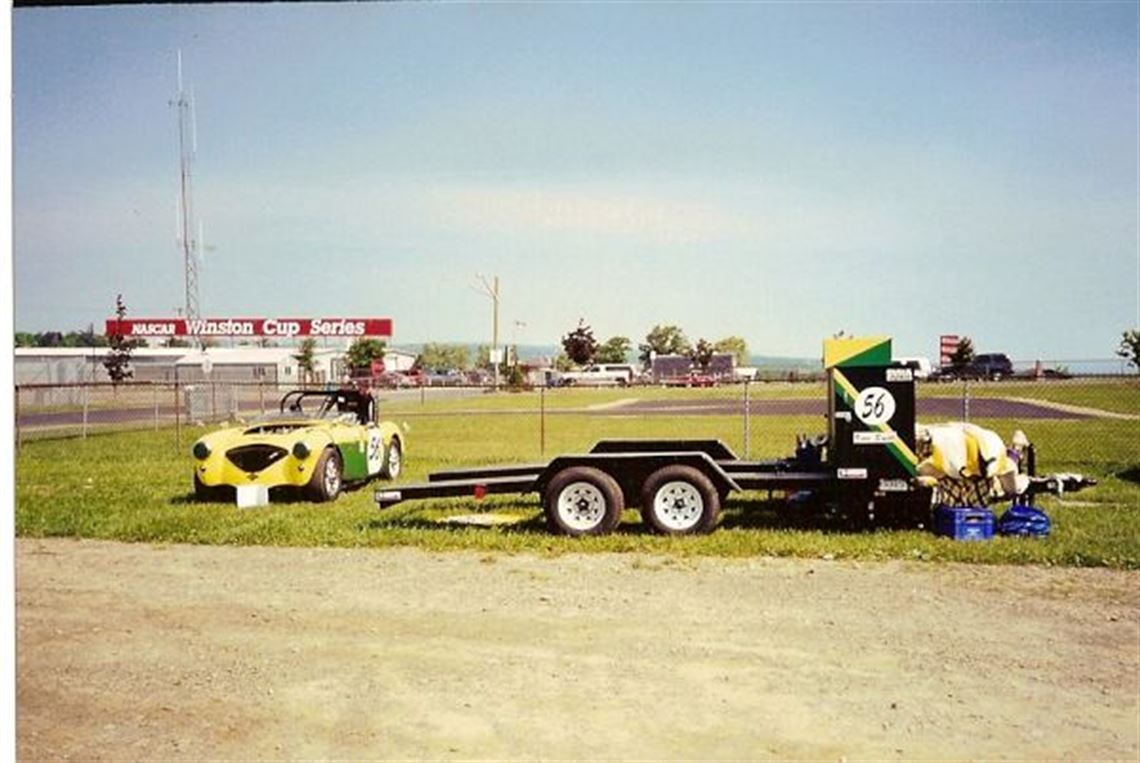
point(254, 458)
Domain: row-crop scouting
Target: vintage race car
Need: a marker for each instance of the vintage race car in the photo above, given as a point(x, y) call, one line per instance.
point(318, 441)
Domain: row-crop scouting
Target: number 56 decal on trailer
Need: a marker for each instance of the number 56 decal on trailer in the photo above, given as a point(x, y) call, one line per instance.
point(871, 403)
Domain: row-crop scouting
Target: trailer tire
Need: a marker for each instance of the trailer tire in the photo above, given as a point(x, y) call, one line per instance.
point(679, 500)
point(582, 500)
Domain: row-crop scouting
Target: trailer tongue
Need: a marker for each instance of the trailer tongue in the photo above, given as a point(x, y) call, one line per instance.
point(869, 461)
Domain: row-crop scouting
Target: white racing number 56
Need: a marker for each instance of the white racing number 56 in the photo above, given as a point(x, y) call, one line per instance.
point(375, 454)
point(874, 406)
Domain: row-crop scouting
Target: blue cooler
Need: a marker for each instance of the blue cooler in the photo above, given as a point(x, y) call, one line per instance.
point(964, 522)
point(1026, 521)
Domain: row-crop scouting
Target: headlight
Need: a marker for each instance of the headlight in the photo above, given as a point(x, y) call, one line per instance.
point(301, 451)
point(201, 451)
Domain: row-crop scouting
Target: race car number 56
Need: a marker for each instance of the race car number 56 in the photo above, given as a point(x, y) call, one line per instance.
point(875, 405)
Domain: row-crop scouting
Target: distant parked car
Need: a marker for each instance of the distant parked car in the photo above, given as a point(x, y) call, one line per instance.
point(1044, 373)
point(399, 379)
point(691, 379)
point(445, 378)
point(988, 365)
point(603, 375)
point(993, 365)
point(921, 366)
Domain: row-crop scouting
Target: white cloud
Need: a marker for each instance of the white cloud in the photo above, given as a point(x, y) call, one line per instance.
point(590, 211)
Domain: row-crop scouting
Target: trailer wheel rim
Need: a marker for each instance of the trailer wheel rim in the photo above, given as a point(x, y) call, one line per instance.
point(678, 505)
point(581, 506)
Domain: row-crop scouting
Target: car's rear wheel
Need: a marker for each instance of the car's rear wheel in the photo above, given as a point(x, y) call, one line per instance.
point(328, 477)
point(393, 460)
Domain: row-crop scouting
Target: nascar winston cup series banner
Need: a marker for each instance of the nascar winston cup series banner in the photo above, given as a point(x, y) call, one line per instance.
point(227, 327)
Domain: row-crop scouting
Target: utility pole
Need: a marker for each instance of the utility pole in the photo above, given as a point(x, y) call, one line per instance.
point(492, 291)
point(187, 146)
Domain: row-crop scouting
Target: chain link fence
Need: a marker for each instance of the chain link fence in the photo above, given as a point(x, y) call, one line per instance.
point(1078, 412)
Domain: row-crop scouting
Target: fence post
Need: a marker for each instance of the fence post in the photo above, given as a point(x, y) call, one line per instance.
point(542, 420)
point(177, 418)
point(747, 420)
point(213, 401)
point(261, 395)
point(17, 417)
point(86, 404)
point(965, 400)
point(154, 388)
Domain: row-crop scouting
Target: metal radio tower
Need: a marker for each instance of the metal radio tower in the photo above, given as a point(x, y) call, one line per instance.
point(187, 147)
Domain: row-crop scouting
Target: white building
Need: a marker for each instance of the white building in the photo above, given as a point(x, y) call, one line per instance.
point(272, 365)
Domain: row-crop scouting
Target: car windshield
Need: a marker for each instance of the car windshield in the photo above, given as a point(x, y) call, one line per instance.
point(307, 412)
point(327, 406)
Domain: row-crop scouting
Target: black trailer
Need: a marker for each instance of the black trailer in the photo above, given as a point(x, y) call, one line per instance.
point(680, 485)
point(866, 462)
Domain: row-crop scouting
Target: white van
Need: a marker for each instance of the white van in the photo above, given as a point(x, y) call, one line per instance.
point(921, 366)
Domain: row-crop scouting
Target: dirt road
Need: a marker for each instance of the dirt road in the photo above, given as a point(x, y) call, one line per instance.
point(180, 653)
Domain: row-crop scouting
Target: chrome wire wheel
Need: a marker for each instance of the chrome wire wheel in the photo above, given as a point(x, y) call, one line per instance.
point(678, 505)
point(331, 476)
point(581, 506)
point(395, 462)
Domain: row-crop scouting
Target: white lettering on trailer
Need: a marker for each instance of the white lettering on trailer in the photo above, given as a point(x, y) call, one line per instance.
point(900, 375)
point(852, 474)
point(873, 438)
point(894, 486)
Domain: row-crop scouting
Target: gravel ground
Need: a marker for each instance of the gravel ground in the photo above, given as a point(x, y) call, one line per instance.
point(133, 651)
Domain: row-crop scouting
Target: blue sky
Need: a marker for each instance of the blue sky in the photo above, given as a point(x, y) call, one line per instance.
point(775, 171)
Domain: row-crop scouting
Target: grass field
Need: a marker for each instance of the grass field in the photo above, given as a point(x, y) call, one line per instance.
point(136, 487)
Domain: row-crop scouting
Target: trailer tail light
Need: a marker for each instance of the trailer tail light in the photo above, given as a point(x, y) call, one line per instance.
point(480, 492)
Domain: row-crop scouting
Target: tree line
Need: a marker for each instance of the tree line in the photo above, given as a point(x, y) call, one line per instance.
point(580, 348)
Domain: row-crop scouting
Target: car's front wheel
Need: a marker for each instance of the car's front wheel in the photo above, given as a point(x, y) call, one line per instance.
point(203, 492)
point(328, 477)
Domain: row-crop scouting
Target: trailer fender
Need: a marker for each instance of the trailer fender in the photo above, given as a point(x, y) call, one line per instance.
point(631, 470)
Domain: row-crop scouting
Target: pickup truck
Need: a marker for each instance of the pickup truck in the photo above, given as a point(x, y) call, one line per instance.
point(602, 375)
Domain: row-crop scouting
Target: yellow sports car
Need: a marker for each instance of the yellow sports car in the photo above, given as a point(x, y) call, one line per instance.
point(318, 441)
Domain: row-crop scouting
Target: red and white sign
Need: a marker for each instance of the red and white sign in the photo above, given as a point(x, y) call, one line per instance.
point(947, 346)
point(227, 327)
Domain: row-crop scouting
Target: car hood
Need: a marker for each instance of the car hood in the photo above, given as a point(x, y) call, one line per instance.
point(280, 433)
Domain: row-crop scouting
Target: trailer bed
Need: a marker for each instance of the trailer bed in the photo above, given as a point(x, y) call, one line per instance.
point(621, 457)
